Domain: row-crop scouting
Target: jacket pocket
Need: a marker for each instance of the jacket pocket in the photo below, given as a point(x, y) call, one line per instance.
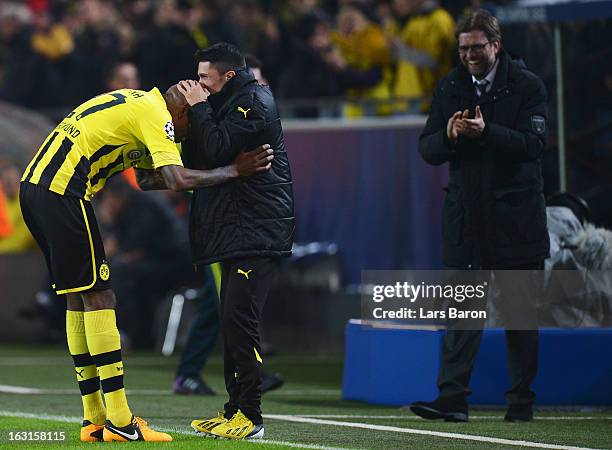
point(518, 216)
point(452, 216)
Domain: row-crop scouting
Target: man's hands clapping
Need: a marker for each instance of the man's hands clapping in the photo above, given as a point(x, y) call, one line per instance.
point(451, 127)
point(461, 125)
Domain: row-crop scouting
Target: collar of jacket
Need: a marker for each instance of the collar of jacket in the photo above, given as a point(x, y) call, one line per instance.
point(506, 73)
point(242, 78)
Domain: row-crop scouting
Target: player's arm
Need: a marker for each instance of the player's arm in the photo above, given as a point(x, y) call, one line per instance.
point(178, 178)
point(150, 180)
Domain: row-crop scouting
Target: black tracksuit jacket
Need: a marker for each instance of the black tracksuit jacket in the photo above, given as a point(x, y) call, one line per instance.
point(250, 216)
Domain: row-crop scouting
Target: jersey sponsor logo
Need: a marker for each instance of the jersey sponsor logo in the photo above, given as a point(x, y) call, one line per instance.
point(169, 129)
point(243, 111)
point(104, 272)
point(242, 272)
point(134, 154)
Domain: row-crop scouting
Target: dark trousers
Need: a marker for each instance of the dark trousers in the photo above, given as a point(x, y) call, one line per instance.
point(139, 287)
point(245, 284)
point(460, 347)
point(204, 329)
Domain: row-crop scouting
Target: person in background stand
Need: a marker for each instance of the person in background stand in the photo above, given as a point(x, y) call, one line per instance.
point(256, 67)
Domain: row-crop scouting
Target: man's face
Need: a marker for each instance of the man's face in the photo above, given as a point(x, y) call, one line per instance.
point(320, 38)
point(124, 77)
point(211, 79)
point(258, 75)
point(8, 28)
point(477, 53)
point(9, 178)
point(351, 20)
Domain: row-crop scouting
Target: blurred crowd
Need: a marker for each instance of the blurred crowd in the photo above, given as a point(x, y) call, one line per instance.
point(383, 56)
point(56, 53)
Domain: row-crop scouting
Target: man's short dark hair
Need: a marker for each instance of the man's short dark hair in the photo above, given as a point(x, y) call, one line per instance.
point(253, 62)
point(480, 20)
point(222, 56)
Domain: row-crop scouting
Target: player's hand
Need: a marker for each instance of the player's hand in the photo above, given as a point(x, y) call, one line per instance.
point(192, 90)
point(471, 128)
point(451, 127)
point(256, 161)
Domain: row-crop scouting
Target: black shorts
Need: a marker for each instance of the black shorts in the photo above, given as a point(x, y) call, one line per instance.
point(67, 232)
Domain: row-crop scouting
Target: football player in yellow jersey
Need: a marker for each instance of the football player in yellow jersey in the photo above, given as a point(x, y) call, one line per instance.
point(101, 137)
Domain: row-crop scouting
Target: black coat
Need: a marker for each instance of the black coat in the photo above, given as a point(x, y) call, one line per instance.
point(250, 216)
point(494, 211)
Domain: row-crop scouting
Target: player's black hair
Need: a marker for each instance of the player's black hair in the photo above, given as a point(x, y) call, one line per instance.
point(222, 56)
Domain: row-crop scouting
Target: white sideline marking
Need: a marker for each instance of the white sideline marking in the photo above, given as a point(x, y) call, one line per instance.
point(71, 419)
point(9, 389)
point(12, 361)
point(54, 418)
point(410, 417)
point(24, 390)
point(467, 437)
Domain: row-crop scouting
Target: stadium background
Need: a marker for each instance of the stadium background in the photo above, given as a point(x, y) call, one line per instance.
point(352, 111)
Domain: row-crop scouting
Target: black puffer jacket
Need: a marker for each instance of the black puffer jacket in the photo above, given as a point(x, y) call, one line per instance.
point(494, 212)
point(250, 216)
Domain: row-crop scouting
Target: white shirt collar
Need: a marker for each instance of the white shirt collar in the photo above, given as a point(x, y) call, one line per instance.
point(490, 77)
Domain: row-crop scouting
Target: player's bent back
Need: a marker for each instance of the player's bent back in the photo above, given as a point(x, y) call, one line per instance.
point(103, 136)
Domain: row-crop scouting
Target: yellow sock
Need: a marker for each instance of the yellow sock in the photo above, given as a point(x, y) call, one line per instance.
point(86, 373)
point(105, 348)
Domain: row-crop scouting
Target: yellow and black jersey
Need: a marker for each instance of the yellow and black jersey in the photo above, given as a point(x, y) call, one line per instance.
point(103, 136)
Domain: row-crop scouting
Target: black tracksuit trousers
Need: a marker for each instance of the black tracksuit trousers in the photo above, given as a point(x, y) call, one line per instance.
point(460, 347)
point(245, 283)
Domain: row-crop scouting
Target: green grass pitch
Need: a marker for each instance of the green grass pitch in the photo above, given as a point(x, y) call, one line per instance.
point(312, 390)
